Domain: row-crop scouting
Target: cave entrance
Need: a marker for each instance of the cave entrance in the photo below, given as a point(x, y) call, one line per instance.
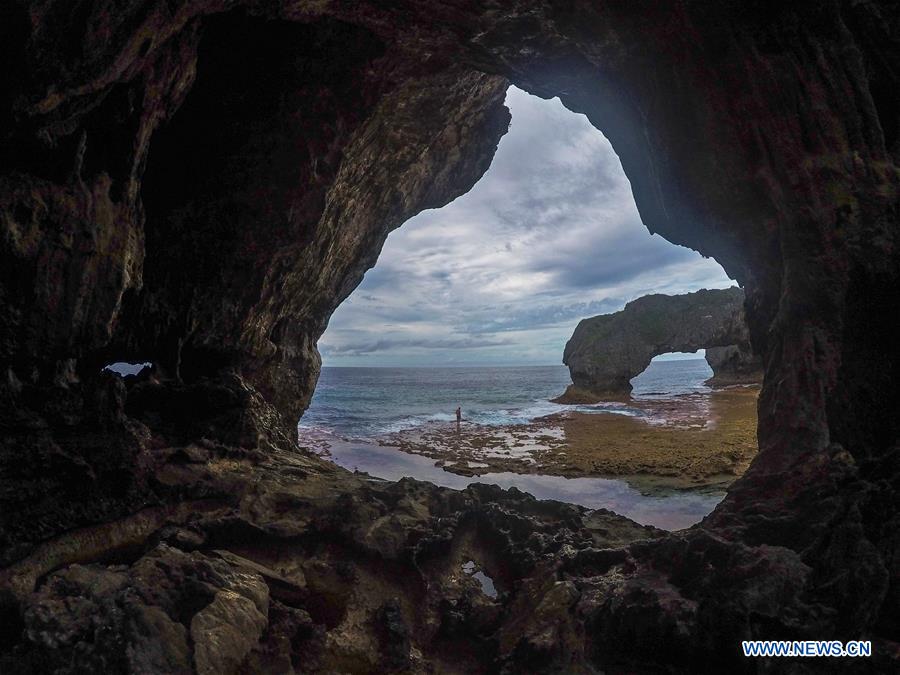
point(127, 368)
point(470, 306)
point(549, 235)
point(774, 125)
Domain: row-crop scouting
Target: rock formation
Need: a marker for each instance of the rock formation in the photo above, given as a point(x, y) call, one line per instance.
point(254, 557)
point(606, 351)
point(734, 364)
point(198, 184)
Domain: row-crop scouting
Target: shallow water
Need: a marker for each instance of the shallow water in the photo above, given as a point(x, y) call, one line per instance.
point(670, 511)
point(354, 408)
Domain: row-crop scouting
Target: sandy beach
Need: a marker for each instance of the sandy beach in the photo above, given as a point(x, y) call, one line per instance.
point(696, 441)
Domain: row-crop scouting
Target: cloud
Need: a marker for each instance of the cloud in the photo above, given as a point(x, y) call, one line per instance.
point(357, 349)
point(541, 316)
point(550, 235)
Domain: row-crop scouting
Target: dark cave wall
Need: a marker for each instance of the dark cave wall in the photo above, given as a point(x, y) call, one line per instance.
point(237, 201)
point(246, 257)
point(209, 215)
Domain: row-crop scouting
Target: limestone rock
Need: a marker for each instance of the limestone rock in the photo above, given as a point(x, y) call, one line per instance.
point(734, 364)
point(605, 352)
point(224, 632)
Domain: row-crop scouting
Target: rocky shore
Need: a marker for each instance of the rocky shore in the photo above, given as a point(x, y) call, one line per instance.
point(698, 441)
point(258, 557)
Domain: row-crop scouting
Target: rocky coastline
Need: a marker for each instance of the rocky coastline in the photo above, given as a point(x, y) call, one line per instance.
point(701, 441)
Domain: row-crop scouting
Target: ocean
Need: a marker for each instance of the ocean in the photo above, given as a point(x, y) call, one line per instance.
point(354, 408)
point(364, 403)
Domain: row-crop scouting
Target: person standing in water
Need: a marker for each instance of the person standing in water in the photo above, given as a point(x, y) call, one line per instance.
point(458, 417)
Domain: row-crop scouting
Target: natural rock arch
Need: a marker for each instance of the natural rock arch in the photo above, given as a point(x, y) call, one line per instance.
point(605, 352)
point(765, 136)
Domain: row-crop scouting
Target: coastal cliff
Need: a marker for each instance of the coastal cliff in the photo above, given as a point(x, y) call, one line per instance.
point(605, 352)
point(199, 184)
point(734, 364)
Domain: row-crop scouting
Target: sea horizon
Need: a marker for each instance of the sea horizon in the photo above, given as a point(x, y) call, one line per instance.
point(497, 365)
point(479, 365)
point(368, 401)
point(359, 414)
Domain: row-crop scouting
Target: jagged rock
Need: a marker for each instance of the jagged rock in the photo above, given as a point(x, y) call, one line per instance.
point(605, 352)
point(199, 184)
point(224, 632)
point(734, 364)
point(132, 619)
point(367, 581)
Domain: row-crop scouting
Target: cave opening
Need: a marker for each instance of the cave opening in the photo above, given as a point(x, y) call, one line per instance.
point(127, 369)
point(470, 306)
point(548, 235)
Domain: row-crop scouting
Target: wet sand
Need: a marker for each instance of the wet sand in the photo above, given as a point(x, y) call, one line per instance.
point(698, 441)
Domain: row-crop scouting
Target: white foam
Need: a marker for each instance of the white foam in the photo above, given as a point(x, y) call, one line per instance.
point(491, 417)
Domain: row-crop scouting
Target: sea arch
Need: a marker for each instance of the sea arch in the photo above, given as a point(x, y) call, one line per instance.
point(605, 352)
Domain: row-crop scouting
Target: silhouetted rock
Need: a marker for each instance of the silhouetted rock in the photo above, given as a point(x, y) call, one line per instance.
point(272, 560)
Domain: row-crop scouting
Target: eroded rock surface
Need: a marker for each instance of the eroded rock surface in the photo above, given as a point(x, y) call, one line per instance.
point(733, 364)
point(605, 352)
point(198, 184)
point(286, 563)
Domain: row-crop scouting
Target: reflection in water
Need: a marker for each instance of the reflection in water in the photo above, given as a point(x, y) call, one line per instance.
point(671, 511)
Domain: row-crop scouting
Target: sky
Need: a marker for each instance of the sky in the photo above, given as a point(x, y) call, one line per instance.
point(501, 276)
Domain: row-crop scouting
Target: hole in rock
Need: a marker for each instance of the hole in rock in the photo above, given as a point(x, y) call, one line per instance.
point(471, 306)
point(673, 373)
point(487, 583)
point(124, 368)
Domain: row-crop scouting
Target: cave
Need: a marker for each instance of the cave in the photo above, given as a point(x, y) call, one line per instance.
point(200, 184)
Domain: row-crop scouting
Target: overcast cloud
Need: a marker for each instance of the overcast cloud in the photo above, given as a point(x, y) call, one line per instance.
point(548, 236)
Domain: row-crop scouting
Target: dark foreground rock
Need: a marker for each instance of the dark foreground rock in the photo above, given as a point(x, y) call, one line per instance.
point(605, 352)
point(269, 559)
point(734, 364)
point(199, 184)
